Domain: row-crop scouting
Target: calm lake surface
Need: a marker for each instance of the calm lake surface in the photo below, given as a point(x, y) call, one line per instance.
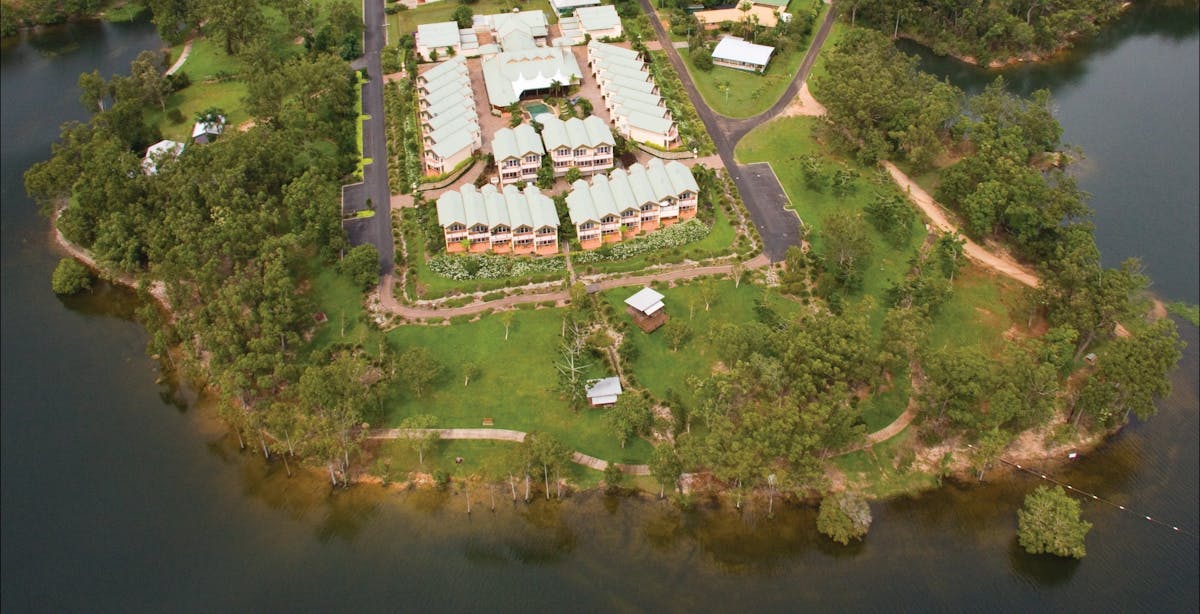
point(119, 494)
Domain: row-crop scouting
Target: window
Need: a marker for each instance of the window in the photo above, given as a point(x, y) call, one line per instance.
point(478, 228)
point(563, 151)
point(509, 163)
point(546, 230)
point(523, 229)
point(561, 164)
point(501, 229)
point(685, 195)
point(647, 207)
point(580, 152)
point(608, 219)
point(603, 149)
point(533, 158)
point(456, 227)
point(523, 242)
point(587, 226)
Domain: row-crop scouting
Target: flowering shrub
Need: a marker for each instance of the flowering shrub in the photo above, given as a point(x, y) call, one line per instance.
point(463, 267)
point(672, 236)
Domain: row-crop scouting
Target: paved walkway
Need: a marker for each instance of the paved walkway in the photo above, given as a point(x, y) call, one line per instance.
point(187, 50)
point(1000, 263)
point(388, 303)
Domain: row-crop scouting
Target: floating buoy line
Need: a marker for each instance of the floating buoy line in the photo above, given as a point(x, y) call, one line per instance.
point(1094, 497)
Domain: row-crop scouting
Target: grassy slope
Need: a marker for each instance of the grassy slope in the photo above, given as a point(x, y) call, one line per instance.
point(516, 386)
point(874, 470)
point(750, 93)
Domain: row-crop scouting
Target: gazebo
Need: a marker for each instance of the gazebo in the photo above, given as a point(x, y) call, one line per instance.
point(647, 309)
point(603, 392)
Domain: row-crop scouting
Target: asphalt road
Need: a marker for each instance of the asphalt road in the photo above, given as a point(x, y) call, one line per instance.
point(778, 226)
point(376, 230)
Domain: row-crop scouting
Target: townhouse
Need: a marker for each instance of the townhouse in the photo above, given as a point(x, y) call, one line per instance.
point(586, 144)
point(504, 220)
point(518, 153)
point(641, 199)
point(449, 123)
point(631, 97)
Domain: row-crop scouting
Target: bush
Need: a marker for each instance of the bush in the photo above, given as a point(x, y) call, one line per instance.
point(672, 236)
point(70, 277)
point(465, 267)
point(1050, 523)
point(701, 59)
point(361, 265)
point(175, 116)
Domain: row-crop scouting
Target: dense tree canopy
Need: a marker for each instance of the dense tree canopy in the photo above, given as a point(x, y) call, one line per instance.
point(1050, 524)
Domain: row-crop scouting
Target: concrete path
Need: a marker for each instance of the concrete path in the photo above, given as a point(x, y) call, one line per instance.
point(187, 50)
point(1002, 264)
point(388, 304)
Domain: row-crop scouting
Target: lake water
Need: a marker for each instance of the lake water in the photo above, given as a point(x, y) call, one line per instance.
point(120, 494)
point(1129, 98)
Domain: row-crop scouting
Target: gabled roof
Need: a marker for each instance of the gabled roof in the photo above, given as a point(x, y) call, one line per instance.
point(441, 34)
point(448, 145)
point(593, 18)
point(158, 152)
point(646, 301)
point(566, 5)
point(453, 65)
point(603, 389)
point(574, 132)
point(600, 50)
point(622, 190)
point(649, 123)
point(516, 142)
point(437, 128)
point(212, 128)
point(533, 22)
point(455, 104)
point(735, 49)
point(510, 73)
point(491, 207)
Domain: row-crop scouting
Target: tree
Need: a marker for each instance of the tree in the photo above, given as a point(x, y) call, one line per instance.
point(70, 277)
point(571, 365)
point(630, 417)
point(92, 90)
point(238, 22)
point(146, 73)
point(422, 442)
point(666, 467)
point(470, 372)
point(677, 332)
point(1050, 523)
point(893, 217)
point(844, 182)
point(613, 478)
point(843, 517)
point(463, 15)
point(988, 449)
point(1133, 372)
point(546, 451)
point(573, 175)
point(701, 57)
point(949, 253)
point(737, 272)
point(506, 318)
point(361, 265)
point(846, 247)
point(418, 368)
point(708, 293)
point(813, 171)
point(956, 381)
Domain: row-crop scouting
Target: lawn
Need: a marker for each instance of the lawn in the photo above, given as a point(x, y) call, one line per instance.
point(515, 387)
point(750, 93)
point(874, 471)
point(406, 21)
point(656, 366)
point(719, 242)
point(782, 143)
point(342, 303)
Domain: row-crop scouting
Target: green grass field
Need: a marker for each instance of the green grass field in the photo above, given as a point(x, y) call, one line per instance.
point(656, 366)
point(873, 470)
point(750, 93)
point(516, 386)
point(719, 242)
point(481, 460)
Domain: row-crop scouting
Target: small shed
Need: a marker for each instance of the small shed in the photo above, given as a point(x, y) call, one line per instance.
point(603, 392)
point(647, 309)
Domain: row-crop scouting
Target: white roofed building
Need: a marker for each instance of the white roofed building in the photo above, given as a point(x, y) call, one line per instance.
point(567, 7)
point(603, 392)
point(647, 309)
point(518, 153)
point(628, 202)
point(630, 96)
point(586, 144)
point(509, 75)
point(504, 220)
point(734, 52)
point(158, 153)
point(442, 38)
point(449, 123)
point(599, 22)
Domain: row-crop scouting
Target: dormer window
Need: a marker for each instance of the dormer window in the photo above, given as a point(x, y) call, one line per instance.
point(456, 227)
point(562, 151)
point(523, 228)
point(479, 228)
point(608, 219)
point(603, 149)
point(581, 152)
point(500, 229)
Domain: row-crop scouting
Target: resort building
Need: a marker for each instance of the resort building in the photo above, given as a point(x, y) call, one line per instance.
point(567, 7)
point(630, 96)
point(158, 153)
point(208, 129)
point(647, 309)
point(518, 153)
point(585, 144)
point(628, 202)
point(449, 124)
point(516, 30)
point(440, 40)
point(603, 392)
point(591, 23)
point(734, 52)
point(501, 221)
point(510, 75)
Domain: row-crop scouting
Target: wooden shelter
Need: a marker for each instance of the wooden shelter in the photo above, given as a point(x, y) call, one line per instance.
point(647, 309)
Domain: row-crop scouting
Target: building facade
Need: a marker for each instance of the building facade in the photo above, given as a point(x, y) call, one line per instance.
point(449, 123)
point(631, 96)
point(586, 144)
point(504, 220)
point(518, 153)
point(629, 202)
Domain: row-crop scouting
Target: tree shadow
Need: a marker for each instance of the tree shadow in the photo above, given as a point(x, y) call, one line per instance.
point(1041, 569)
